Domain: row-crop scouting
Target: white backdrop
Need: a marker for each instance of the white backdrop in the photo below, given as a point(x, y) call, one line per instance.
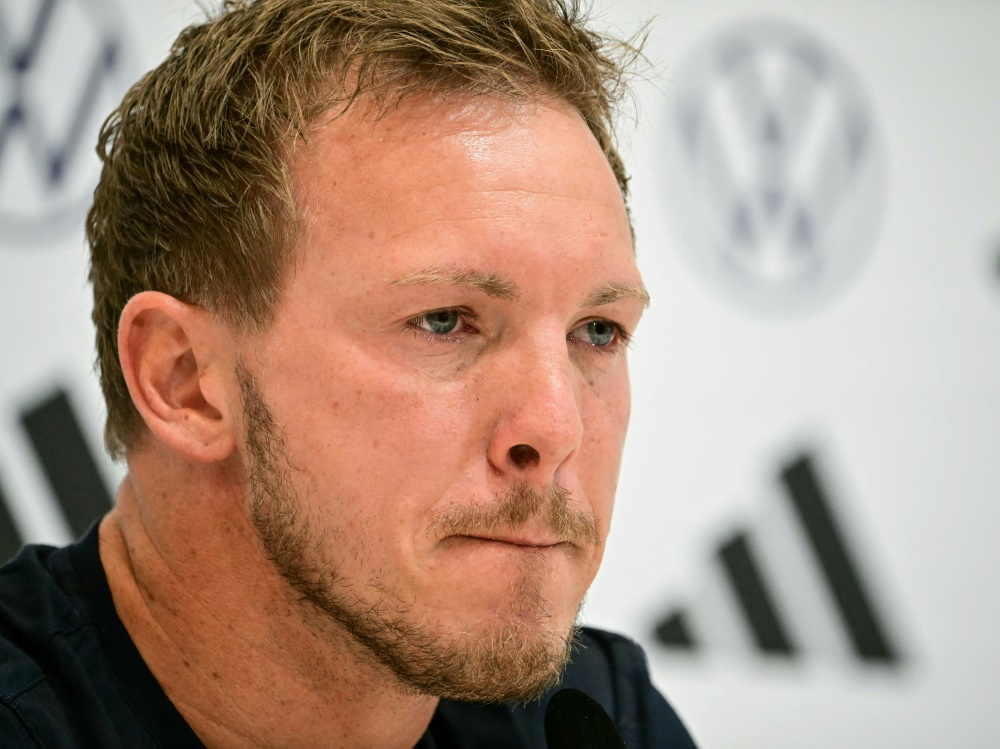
point(817, 201)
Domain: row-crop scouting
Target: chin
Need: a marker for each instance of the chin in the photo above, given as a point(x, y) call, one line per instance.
point(513, 654)
point(514, 662)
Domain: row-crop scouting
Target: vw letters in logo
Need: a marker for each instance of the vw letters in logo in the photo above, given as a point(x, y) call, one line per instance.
point(64, 65)
point(777, 166)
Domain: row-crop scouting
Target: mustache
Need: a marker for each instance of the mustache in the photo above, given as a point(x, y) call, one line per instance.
point(514, 507)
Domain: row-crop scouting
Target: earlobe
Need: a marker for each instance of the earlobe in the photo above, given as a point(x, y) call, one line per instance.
point(173, 357)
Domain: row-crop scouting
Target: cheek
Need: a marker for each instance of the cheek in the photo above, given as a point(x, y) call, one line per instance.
point(605, 412)
point(605, 419)
point(367, 426)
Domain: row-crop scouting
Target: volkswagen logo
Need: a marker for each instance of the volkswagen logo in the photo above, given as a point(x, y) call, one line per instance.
point(64, 65)
point(777, 166)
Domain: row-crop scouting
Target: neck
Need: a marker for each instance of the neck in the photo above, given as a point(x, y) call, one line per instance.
point(232, 646)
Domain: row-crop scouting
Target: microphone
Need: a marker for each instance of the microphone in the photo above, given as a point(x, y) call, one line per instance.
point(574, 720)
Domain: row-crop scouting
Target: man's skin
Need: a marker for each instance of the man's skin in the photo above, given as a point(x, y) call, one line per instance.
point(508, 213)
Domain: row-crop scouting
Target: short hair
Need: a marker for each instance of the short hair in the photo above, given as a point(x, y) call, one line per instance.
point(195, 198)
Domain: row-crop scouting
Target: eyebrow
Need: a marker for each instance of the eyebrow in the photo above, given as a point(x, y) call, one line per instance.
point(497, 286)
point(492, 284)
point(610, 293)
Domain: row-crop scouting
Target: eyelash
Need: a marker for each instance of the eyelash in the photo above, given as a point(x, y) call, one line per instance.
point(465, 318)
point(622, 337)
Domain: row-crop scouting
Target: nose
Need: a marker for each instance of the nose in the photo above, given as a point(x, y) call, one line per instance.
point(538, 423)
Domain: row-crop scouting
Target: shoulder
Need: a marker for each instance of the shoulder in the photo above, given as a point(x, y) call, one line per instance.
point(35, 608)
point(15, 733)
point(608, 667)
point(36, 612)
point(70, 675)
point(613, 655)
point(613, 670)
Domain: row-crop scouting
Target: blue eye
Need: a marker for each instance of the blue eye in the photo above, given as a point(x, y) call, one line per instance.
point(600, 332)
point(441, 322)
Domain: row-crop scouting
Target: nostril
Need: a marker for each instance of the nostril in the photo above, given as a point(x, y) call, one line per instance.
point(524, 456)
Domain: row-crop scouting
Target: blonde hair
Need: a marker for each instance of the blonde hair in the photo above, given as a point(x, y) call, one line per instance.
point(195, 198)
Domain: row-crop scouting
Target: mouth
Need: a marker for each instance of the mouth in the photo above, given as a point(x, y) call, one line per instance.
point(524, 542)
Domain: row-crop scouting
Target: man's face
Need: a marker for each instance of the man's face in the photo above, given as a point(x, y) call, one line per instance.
point(436, 416)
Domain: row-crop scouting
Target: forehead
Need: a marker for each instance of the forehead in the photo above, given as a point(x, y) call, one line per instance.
point(481, 179)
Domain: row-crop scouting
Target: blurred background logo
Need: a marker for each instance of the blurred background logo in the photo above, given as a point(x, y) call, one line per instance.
point(794, 582)
point(778, 166)
point(63, 66)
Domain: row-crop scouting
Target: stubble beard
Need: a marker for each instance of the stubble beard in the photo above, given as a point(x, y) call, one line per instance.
point(517, 660)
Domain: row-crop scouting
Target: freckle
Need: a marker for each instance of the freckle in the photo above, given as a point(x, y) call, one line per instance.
point(187, 663)
point(371, 235)
point(215, 675)
point(374, 444)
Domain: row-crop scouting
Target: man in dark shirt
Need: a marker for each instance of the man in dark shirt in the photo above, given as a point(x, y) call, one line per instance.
point(363, 279)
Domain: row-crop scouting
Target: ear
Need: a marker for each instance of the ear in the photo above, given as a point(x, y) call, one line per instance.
point(174, 357)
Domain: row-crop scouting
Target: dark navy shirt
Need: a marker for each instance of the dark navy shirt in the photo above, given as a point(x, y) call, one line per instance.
point(71, 677)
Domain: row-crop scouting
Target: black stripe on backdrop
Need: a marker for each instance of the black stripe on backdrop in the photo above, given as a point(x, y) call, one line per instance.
point(675, 632)
point(67, 461)
point(754, 597)
point(857, 611)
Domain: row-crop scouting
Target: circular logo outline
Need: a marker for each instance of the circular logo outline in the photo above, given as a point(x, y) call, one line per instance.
point(776, 166)
point(116, 63)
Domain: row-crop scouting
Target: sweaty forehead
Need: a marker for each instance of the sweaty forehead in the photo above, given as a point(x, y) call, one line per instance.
point(454, 194)
point(433, 142)
point(473, 184)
